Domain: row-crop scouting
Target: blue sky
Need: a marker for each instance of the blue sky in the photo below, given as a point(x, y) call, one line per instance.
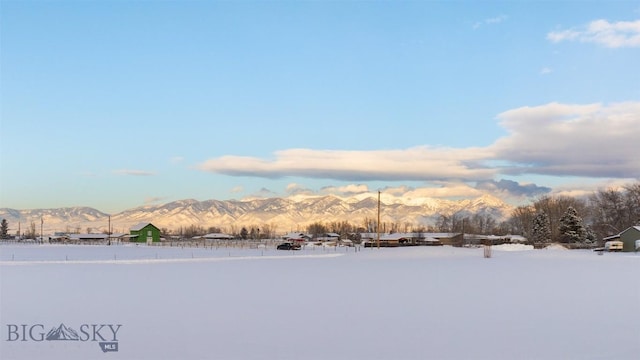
point(118, 104)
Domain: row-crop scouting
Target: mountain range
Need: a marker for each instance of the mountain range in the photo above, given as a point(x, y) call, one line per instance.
point(285, 214)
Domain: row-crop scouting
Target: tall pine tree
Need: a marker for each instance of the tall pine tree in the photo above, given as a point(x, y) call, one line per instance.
point(541, 231)
point(4, 229)
point(571, 228)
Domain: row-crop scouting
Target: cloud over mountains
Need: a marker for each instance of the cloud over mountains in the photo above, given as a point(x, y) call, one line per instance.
point(596, 140)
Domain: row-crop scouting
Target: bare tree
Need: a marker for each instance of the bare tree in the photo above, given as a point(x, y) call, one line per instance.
point(614, 210)
point(443, 224)
point(316, 229)
point(32, 232)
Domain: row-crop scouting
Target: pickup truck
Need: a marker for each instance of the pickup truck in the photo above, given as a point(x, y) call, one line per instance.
point(288, 246)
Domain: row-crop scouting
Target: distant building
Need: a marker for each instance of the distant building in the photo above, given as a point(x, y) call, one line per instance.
point(296, 236)
point(630, 238)
point(328, 237)
point(408, 239)
point(85, 237)
point(144, 233)
point(218, 236)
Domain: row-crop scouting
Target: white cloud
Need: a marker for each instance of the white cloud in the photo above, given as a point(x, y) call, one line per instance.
point(418, 163)
point(592, 140)
point(263, 193)
point(444, 190)
point(586, 188)
point(237, 189)
point(545, 71)
point(297, 189)
point(572, 140)
point(292, 187)
point(489, 21)
point(350, 189)
point(613, 35)
point(153, 200)
point(511, 189)
point(134, 172)
point(176, 159)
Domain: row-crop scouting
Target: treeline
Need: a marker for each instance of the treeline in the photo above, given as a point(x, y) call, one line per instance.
point(569, 219)
point(252, 232)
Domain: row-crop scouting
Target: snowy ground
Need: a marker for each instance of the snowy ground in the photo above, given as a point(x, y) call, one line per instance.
point(406, 303)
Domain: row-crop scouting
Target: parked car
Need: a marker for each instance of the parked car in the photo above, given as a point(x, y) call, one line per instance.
point(288, 246)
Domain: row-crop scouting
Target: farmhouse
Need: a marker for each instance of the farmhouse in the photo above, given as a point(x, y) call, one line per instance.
point(296, 236)
point(630, 238)
point(396, 239)
point(328, 237)
point(144, 232)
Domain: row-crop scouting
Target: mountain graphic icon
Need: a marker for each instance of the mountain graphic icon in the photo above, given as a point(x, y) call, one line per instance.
point(62, 333)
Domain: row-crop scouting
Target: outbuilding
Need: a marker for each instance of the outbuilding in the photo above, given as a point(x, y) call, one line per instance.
point(144, 232)
point(88, 237)
point(218, 236)
point(328, 237)
point(630, 238)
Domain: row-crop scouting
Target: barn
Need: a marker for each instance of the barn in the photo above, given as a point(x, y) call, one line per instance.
point(144, 232)
point(630, 238)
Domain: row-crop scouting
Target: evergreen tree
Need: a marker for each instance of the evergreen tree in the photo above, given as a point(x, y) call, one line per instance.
point(244, 233)
point(4, 229)
point(541, 228)
point(591, 237)
point(571, 228)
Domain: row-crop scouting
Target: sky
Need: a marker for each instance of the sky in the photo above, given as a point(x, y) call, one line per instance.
point(120, 104)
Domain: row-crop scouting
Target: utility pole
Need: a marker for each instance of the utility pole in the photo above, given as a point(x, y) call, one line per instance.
point(378, 228)
point(41, 229)
point(463, 232)
point(109, 231)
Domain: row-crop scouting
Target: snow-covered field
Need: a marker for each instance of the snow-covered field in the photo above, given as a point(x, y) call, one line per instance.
point(404, 303)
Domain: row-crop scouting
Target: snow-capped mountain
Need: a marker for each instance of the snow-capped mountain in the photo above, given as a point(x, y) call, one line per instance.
point(283, 213)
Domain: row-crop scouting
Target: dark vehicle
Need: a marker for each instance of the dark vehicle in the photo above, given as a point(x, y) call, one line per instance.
point(289, 246)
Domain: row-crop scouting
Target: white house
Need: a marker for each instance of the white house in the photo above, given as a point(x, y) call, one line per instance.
point(218, 236)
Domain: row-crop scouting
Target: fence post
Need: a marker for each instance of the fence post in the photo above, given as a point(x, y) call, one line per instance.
point(487, 251)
